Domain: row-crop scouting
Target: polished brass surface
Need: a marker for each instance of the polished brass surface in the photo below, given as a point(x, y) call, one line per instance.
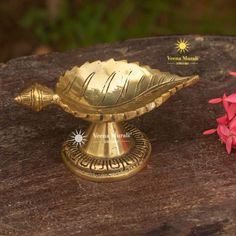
point(107, 139)
point(107, 93)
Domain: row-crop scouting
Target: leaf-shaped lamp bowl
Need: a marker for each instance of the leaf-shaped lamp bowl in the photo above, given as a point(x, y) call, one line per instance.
point(107, 93)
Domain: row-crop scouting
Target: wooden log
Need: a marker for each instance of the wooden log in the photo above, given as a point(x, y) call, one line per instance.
point(188, 187)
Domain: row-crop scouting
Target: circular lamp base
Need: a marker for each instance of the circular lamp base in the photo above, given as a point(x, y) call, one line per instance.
point(108, 169)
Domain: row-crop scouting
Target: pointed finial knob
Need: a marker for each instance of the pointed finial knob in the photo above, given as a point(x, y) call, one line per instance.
point(36, 97)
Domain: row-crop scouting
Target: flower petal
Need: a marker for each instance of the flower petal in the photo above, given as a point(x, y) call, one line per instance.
point(232, 123)
point(222, 137)
point(229, 143)
point(231, 98)
point(233, 131)
point(225, 103)
point(209, 131)
point(224, 130)
point(223, 120)
point(232, 111)
point(215, 100)
point(232, 73)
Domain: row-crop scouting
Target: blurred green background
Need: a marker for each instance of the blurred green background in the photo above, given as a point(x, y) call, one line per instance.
point(41, 26)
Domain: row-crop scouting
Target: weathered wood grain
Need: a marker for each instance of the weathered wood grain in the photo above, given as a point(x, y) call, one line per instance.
point(188, 187)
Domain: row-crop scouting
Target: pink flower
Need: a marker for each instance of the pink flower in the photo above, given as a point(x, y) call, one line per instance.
point(226, 124)
point(229, 103)
point(226, 132)
point(227, 135)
